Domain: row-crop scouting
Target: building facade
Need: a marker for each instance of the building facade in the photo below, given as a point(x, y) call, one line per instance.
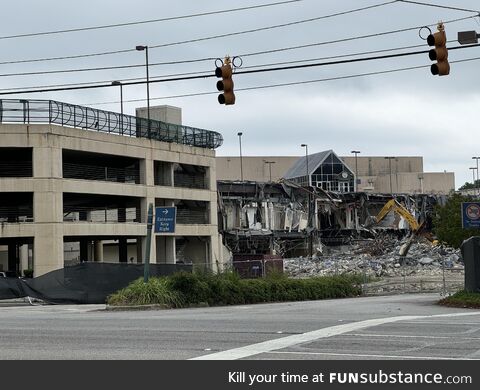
point(76, 183)
point(376, 174)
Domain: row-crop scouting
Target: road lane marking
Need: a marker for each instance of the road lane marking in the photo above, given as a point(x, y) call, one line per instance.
point(289, 341)
point(410, 336)
point(370, 355)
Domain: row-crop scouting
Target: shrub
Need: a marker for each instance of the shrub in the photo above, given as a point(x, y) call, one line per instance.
point(183, 289)
point(155, 291)
point(192, 286)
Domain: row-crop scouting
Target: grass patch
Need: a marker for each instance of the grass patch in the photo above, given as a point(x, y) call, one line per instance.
point(462, 299)
point(191, 289)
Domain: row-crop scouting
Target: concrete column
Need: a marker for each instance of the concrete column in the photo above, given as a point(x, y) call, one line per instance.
point(147, 175)
point(165, 250)
point(47, 162)
point(23, 255)
point(98, 251)
point(48, 211)
point(48, 249)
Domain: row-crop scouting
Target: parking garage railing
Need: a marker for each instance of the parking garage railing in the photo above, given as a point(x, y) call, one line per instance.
point(64, 114)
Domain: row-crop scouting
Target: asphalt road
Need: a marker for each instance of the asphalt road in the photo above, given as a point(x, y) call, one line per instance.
point(393, 327)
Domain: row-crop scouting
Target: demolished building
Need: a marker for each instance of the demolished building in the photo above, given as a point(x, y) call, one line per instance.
point(290, 220)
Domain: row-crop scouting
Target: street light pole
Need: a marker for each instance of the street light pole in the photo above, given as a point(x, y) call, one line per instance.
point(119, 83)
point(241, 159)
point(473, 178)
point(142, 48)
point(476, 184)
point(310, 239)
point(306, 157)
point(355, 187)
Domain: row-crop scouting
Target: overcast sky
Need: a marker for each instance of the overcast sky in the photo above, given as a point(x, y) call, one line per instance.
point(408, 113)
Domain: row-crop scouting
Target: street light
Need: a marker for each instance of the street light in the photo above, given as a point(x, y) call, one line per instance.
point(310, 240)
point(306, 157)
point(270, 167)
point(241, 159)
point(475, 184)
point(473, 174)
point(119, 83)
point(356, 169)
point(390, 168)
point(142, 48)
point(420, 179)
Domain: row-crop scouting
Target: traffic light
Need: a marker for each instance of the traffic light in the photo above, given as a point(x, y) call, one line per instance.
point(440, 53)
point(226, 84)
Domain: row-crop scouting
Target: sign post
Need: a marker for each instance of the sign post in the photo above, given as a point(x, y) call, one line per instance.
point(146, 268)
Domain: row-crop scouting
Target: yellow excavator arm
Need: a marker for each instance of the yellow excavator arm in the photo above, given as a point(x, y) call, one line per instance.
point(398, 208)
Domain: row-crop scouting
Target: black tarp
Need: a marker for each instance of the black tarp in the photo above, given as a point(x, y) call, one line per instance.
point(82, 283)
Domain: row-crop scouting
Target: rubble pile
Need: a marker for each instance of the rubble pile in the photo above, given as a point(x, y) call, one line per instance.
point(380, 258)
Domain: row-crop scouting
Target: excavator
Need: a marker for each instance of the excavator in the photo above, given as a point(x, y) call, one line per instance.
point(398, 208)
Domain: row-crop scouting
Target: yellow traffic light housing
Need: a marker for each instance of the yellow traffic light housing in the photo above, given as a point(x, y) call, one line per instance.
point(440, 53)
point(226, 84)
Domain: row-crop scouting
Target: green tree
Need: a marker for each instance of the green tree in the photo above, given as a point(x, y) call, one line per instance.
point(447, 222)
point(469, 186)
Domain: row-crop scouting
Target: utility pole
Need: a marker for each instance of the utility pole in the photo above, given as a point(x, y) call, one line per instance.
point(475, 183)
point(310, 238)
point(241, 160)
point(355, 187)
point(473, 178)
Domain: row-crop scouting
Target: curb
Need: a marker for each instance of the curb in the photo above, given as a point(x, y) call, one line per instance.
point(136, 307)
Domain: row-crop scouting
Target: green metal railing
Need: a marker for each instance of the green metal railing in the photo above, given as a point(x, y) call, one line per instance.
point(64, 114)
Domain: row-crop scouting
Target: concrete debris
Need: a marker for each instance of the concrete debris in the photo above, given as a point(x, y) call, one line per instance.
point(379, 258)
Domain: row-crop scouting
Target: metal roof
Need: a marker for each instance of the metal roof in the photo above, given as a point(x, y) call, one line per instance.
point(299, 169)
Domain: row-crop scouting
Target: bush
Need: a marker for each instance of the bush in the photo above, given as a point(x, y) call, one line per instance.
point(192, 286)
point(155, 291)
point(187, 289)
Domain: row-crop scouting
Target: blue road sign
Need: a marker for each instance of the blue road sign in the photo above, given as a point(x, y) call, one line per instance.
point(165, 218)
point(471, 215)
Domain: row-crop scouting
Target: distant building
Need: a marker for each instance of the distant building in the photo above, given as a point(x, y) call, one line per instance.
point(324, 170)
point(376, 174)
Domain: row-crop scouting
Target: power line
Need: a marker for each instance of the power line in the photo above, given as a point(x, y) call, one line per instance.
point(274, 26)
point(163, 63)
point(439, 6)
point(204, 76)
point(146, 21)
point(247, 67)
point(341, 40)
point(200, 39)
point(346, 39)
point(291, 83)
